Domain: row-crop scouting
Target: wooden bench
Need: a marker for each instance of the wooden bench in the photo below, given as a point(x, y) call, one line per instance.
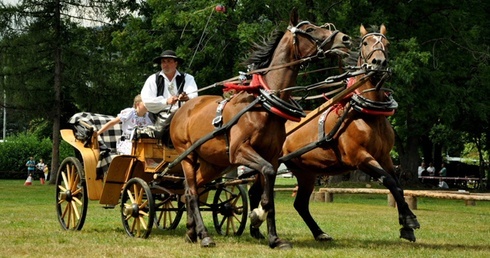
point(326, 195)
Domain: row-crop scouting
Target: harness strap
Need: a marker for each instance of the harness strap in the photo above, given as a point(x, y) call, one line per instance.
point(218, 119)
point(321, 123)
point(318, 143)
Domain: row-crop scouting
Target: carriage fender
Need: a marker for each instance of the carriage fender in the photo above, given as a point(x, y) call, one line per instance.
point(122, 168)
point(90, 157)
point(68, 136)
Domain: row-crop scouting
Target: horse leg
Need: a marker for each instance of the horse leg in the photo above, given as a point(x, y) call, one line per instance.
point(266, 210)
point(254, 194)
point(202, 232)
point(406, 218)
point(191, 235)
point(195, 224)
point(306, 185)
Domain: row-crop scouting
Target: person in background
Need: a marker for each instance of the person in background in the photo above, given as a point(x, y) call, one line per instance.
point(443, 184)
point(40, 170)
point(443, 171)
point(164, 91)
point(131, 118)
point(421, 169)
point(46, 172)
point(31, 166)
point(431, 169)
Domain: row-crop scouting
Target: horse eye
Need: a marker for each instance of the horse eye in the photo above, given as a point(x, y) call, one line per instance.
point(364, 43)
point(310, 30)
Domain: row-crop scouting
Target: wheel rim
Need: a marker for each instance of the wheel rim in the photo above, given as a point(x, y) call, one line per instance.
point(230, 211)
point(137, 208)
point(71, 195)
point(169, 212)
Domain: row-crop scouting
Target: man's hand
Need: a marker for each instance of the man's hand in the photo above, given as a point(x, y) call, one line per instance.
point(172, 100)
point(183, 97)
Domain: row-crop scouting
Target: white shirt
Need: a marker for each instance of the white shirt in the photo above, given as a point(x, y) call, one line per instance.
point(431, 170)
point(130, 120)
point(156, 104)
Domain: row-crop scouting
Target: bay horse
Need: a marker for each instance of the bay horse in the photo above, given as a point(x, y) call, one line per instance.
point(356, 134)
point(254, 124)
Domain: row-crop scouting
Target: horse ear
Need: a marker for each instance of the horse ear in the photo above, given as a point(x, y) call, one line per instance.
point(294, 19)
point(383, 30)
point(363, 30)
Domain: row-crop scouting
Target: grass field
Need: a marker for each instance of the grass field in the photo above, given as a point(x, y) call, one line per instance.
point(362, 226)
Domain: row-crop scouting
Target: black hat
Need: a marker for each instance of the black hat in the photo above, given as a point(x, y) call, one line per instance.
point(167, 54)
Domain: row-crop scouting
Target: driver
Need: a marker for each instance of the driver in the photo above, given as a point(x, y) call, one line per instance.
point(168, 88)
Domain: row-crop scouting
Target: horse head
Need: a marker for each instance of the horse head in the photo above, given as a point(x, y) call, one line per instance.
point(374, 49)
point(301, 43)
point(309, 39)
point(373, 58)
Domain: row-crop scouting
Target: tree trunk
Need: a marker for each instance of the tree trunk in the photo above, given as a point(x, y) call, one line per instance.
point(55, 155)
point(410, 160)
point(427, 150)
point(409, 153)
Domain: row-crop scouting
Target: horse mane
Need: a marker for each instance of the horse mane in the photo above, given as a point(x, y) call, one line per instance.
point(262, 55)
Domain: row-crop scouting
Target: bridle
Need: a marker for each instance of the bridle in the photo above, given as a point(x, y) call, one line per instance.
point(320, 43)
point(379, 41)
point(363, 104)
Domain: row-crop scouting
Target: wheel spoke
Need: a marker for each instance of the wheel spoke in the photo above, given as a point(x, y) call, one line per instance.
point(140, 195)
point(65, 211)
point(130, 195)
point(143, 205)
point(65, 181)
point(75, 183)
point(68, 207)
point(75, 199)
point(62, 188)
point(75, 210)
point(143, 222)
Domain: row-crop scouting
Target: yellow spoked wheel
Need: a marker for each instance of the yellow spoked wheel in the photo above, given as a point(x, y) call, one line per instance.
point(230, 210)
point(71, 194)
point(137, 208)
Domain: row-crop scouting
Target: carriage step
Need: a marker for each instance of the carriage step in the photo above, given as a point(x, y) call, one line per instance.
point(109, 207)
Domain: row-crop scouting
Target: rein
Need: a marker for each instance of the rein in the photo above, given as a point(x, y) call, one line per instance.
point(271, 102)
point(320, 54)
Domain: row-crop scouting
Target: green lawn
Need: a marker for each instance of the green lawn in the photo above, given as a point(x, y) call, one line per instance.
point(362, 226)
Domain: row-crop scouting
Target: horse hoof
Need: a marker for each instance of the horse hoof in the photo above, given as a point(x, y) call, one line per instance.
point(412, 222)
point(409, 222)
point(323, 237)
point(407, 233)
point(207, 242)
point(255, 221)
point(281, 245)
point(255, 233)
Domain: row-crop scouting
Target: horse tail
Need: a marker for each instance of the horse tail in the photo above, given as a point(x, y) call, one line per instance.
point(166, 140)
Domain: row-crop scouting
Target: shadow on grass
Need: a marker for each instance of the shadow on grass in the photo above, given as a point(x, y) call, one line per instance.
point(387, 244)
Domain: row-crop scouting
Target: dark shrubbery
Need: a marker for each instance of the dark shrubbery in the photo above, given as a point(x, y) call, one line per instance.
point(16, 150)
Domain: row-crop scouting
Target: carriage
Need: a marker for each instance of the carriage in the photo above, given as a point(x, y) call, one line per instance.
point(128, 181)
